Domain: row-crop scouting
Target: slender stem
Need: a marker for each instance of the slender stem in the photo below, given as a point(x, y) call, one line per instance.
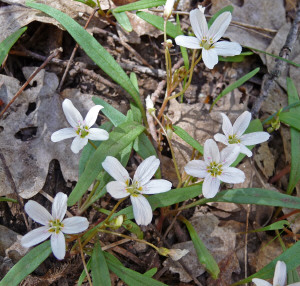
point(172, 151)
point(84, 264)
point(112, 211)
point(94, 146)
point(196, 203)
point(84, 206)
point(129, 237)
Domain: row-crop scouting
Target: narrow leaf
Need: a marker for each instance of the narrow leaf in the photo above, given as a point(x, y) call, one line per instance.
point(27, 264)
point(100, 272)
point(120, 138)
point(123, 20)
point(274, 226)
point(83, 273)
point(133, 228)
point(93, 49)
point(204, 256)
point(6, 44)
point(143, 4)
point(290, 258)
point(151, 272)
point(293, 97)
point(236, 84)
point(188, 138)
point(291, 118)
point(5, 199)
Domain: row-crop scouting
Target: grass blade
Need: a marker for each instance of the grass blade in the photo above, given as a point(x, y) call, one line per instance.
point(123, 20)
point(6, 44)
point(143, 4)
point(236, 84)
point(293, 97)
point(291, 118)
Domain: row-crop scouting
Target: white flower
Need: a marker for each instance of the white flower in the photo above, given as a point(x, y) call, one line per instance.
point(168, 8)
point(177, 254)
point(136, 188)
point(279, 276)
point(207, 39)
point(149, 102)
point(81, 130)
point(53, 225)
point(215, 168)
point(234, 134)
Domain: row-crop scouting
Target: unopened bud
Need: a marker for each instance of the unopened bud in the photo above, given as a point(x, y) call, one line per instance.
point(149, 104)
point(116, 222)
point(168, 8)
point(175, 254)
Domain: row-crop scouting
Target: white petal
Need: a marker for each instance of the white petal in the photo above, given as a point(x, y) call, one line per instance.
point(242, 123)
point(59, 206)
point(260, 282)
point(219, 26)
point(72, 114)
point(210, 186)
point(221, 138)
point(295, 284)
point(117, 189)
point(229, 154)
point(211, 152)
point(196, 168)
point(188, 42)
point(98, 134)
point(58, 245)
point(92, 115)
point(35, 236)
point(254, 138)
point(63, 134)
point(113, 167)
point(245, 150)
point(226, 125)
point(37, 212)
point(75, 224)
point(198, 23)
point(227, 49)
point(210, 58)
point(280, 274)
point(232, 175)
point(156, 187)
point(141, 209)
point(78, 143)
point(146, 170)
point(177, 254)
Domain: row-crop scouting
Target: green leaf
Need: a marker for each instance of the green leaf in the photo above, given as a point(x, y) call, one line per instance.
point(257, 197)
point(151, 272)
point(27, 264)
point(134, 80)
point(228, 8)
point(158, 22)
point(6, 44)
point(290, 258)
point(143, 4)
point(188, 138)
point(274, 56)
point(100, 272)
point(183, 50)
point(83, 273)
point(204, 256)
point(93, 49)
point(90, 3)
point(123, 20)
point(274, 226)
point(293, 97)
point(4, 199)
point(291, 118)
point(89, 150)
point(133, 228)
point(132, 277)
point(235, 59)
point(120, 138)
point(293, 277)
point(254, 126)
point(236, 84)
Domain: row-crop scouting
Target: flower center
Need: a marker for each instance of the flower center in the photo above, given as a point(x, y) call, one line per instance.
point(55, 226)
point(134, 189)
point(215, 169)
point(233, 139)
point(82, 130)
point(206, 43)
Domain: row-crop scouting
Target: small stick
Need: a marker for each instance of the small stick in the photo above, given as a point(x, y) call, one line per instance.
point(269, 79)
point(13, 185)
point(74, 52)
point(54, 54)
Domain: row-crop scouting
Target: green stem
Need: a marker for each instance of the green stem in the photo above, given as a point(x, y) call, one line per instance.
point(129, 237)
point(94, 146)
point(85, 205)
point(191, 205)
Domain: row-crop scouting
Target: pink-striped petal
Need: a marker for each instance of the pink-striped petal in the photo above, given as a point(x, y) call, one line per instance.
point(232, 175)
point(97, 134)
point(229, 154)
point(92, 115)
point(210, 57)
point(146, 170)
point(37, 212)
point(59, 206)
point(75, 224)
point(196, 168)
point(35, 236)
point(188, 42)
point(241, 123)
point(141, 209)
point(117, 189)
point(221, 138)
point(198, 23)
point(260, 282)
point(280, 274)
point(254, 138)
point(226, 125)
point(63, 134)
point(72, 114)
point(219, 26)
point(227, 49)
point(78, 143)
point(58, 245)
point(211, 152)
point(156, 187)
point(113, 167)
point(210, 186)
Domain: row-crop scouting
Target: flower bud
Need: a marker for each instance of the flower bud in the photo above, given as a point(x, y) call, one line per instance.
point(116, 222)
point(175, 254)
point(149, 104)
point(168, 8)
